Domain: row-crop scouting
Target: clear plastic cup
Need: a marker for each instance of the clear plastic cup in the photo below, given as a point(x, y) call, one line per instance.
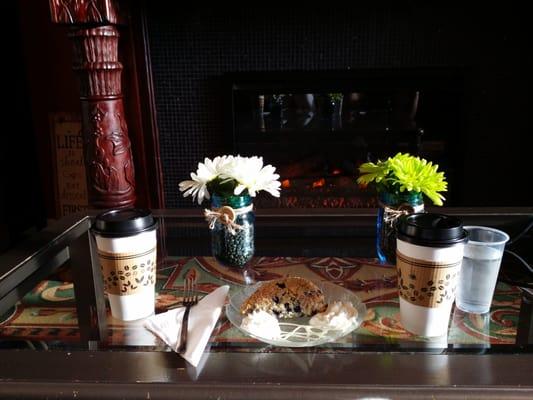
point(479, 271)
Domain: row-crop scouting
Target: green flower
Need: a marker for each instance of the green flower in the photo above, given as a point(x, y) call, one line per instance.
point(335, 96)
point(404, 172)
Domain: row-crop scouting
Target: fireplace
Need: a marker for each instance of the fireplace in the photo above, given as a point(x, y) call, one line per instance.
point(317, 128)
point(471, 109)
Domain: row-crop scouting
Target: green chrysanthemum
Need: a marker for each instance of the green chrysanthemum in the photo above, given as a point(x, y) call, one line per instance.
point(405, 172)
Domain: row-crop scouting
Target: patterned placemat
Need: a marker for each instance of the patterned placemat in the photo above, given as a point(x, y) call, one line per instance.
point(48, 313)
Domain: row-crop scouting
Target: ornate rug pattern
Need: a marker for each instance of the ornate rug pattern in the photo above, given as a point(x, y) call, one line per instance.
point(48, 312)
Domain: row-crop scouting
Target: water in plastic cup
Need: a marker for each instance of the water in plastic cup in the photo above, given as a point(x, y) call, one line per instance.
point(479, 272)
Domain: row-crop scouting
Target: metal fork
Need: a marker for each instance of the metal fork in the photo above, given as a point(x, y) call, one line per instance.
point(189, 300)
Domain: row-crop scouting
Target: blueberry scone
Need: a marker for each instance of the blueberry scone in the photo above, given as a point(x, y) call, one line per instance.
point(286, 298)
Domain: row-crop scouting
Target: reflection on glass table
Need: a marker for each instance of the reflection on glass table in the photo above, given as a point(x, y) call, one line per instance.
point(341, 254)
point(48, 314)
point(91, 353)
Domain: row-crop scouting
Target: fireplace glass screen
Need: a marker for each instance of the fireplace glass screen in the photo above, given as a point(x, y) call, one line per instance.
point(317, 132)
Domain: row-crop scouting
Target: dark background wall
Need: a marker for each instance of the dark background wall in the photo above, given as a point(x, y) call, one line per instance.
point(193, 48)
point(39, 81)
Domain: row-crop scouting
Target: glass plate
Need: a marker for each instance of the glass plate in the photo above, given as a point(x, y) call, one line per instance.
point(296, 332)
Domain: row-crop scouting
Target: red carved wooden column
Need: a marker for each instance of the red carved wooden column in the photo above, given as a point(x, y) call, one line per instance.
point(108, 156)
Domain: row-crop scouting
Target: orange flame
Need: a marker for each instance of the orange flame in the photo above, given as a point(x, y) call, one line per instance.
point(286, 183)
point(321, 182)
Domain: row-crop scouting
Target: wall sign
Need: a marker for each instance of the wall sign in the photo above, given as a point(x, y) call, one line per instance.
point(70, 176)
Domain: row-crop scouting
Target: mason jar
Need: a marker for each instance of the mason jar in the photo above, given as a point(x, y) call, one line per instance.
point(233, 246)
point(391, 206)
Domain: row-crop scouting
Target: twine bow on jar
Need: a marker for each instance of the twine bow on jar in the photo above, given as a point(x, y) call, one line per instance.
point(391, 214)
point(226, 215)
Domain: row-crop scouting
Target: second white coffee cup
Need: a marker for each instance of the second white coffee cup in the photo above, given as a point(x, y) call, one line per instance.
point(428, 260)
point(126, 241)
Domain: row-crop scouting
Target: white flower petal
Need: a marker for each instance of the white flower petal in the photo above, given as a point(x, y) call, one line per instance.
point(184, 185)
point(193, 190)
point(201, 194)
point(238, 190)
point(248, 172)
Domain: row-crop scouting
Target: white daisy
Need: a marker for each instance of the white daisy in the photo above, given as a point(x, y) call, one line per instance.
point(206, 172)
point(251, 175)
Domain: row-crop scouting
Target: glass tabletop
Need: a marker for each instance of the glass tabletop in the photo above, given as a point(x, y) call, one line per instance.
point(325, 245)
point(57, 335)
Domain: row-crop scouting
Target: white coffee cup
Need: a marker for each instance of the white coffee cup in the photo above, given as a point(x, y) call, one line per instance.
point(428, 260)
point(126, 241)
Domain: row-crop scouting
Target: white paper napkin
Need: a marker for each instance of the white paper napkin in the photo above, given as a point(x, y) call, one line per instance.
point(202, 320)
